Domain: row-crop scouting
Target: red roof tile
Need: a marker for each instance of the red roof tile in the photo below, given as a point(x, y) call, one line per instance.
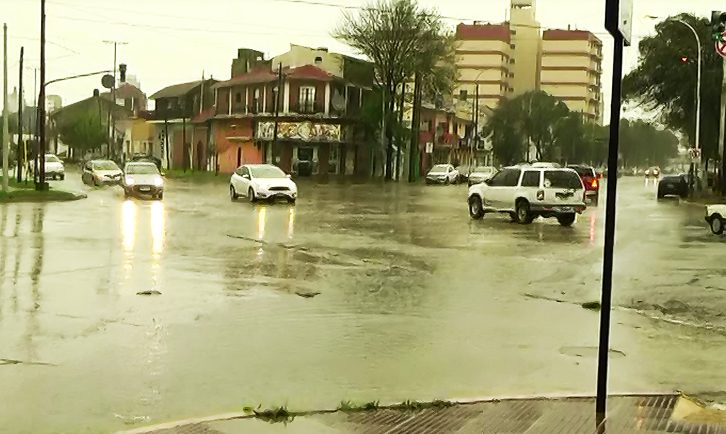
point(310, 72)
point(568, 35)
point(483, 32)
point(252, 77)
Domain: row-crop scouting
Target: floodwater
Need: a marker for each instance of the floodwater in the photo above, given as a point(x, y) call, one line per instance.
point(416, 301)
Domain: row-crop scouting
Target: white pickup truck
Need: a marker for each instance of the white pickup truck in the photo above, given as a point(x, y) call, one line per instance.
point(716, 217)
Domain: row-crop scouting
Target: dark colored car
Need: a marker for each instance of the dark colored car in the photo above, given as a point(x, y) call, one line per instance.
point(590, 180)
point(143, 158)
point(673, 185)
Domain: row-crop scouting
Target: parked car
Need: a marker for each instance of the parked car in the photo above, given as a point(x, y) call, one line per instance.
point(464, 172)
point(101, 172)
point(526, 192)
point(144, 179)
point(590, 180)
point(673, 185)
point(54, 167)
point(716, 217)
point(146, 158)
point(262, 181)
point(442, 174)
point(481, 174)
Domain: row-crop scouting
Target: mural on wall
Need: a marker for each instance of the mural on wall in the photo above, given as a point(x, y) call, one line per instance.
point(305, 131)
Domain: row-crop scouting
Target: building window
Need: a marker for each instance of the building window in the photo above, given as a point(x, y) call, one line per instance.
point(512, 46)
point(511, 61)
point(256, 101)
point(307, 99)
point(511, 75)
point(513, 32)
point(238, 97)
point(511, 89)
point(463, 94)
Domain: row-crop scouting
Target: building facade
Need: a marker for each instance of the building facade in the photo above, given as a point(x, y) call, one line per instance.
point(525, 46)
point(571, 69)
point(315, 131)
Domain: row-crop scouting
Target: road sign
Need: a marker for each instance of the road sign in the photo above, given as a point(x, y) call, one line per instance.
point(721, 47)
point(429, 147)
point(695, 155)
point(619, 18)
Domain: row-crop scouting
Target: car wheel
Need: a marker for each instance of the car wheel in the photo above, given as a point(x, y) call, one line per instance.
point(513, 217)
point(160, 196)
point(291, 200)
point(476, 209)
point(447, 181)
point(524, 217)
point(251, 195)
point(661, 195)
point(232, 193)
point(62, 177)
point(566, 219)
point(717, 224)
point(126, 193)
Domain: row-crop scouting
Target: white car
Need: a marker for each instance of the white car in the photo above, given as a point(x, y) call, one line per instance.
point(141, 178)
point(527, 192)
point(442, 174)
point(54, 167)
point(481, 174)
point(262, 181)
point(716, 217)
point(101, 172)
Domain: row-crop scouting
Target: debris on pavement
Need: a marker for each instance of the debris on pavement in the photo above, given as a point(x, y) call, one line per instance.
point(149, 292)
point(591, 305)
point(306, 294)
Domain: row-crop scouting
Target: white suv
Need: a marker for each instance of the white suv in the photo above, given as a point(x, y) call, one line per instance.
point(527, 192)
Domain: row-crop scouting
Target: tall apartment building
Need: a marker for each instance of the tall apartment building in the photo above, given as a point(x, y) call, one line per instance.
point(516, 57)
point(484, 57)
point(571, 69)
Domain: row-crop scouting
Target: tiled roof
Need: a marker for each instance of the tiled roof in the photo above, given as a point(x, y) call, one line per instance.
point(311, 72)
point(483, 32)
point(126, 90)
point(176, 90)
point(568, 35)
point(252, 77)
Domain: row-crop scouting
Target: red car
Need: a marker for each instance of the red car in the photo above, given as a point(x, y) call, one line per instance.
point(590, 179)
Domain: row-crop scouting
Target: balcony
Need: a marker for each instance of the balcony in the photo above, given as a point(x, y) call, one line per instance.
point(307, 108)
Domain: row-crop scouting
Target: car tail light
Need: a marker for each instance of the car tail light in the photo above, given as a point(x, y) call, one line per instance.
point(540, 195)
point(594, 183)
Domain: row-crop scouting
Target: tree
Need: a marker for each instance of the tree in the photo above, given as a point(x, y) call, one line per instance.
point(401, 39)
point(543, 113)
point(642, 144)
point(86, 132)
point(505, 127)
point(665, 79)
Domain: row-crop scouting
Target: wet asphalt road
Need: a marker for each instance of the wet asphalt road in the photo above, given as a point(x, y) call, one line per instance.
point(416, 302)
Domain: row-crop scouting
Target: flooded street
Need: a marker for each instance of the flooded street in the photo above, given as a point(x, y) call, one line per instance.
point(416, 301)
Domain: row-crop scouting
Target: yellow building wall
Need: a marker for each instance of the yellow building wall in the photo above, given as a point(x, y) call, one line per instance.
point(526, 52)
point(570, 61)
point(548, 76)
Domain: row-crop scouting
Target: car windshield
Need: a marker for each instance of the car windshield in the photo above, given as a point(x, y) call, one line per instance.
point(583, 170)
point(141, 169)
point(52, 159)
point(266, 172)
point(439, 168)
point(105, 165)
point(483, 170)
point(562, 179)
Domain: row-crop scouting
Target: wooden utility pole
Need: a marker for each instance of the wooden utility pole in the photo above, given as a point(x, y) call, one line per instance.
point(277, 110)
point(415, 124)
point(400, 123)
point(42, 185)
point(19, 166)
point(6, 133)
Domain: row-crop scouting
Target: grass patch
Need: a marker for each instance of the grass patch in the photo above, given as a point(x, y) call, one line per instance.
point(13, 183)
point(418, 406)
point(349, 406)
point(271, 415)
point(195, 175)
point(30, 195)
point(591, 305)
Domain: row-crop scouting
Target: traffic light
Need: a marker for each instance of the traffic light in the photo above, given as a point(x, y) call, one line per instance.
point(718, 25)
point(122, 70)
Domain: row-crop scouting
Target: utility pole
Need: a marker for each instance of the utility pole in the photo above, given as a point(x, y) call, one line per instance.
point(42, 185)
point(722, 131)
point(112, 113)
point(415, 125)
point(400, 123)
point(19, 166)
point(277, 110)
point(6, 134)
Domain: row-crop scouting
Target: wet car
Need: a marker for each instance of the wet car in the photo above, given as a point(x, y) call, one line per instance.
point(101, 172)
point(590, 180)
point(481, 174)
point(716, 217)
point(673, 185)
point(262, 181)
point(54, 168)
point(442, 174)
point(143, 179)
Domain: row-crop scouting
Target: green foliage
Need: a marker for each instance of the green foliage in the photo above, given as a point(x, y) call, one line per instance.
point(663, 83)
point(642, 144)
point(85, 132)
point(542, 114)
point(506, 129)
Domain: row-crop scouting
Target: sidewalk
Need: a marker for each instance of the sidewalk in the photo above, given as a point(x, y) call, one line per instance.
point(626, 414)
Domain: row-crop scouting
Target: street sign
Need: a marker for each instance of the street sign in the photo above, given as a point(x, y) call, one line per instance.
point(721, 47)
point(695, 155)
point(619, 18)
point(107, 81)
point(429, 147)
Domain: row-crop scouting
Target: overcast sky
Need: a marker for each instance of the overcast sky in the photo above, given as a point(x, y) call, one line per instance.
point(172, 41)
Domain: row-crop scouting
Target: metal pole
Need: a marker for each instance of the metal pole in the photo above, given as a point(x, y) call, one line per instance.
point(722, 130)
point(695, 167)
point(19, 166)
point(607, 267)
point(415, 125)
point(277, 111)
point(6, 133)
point(42, 185)
point(400, 125)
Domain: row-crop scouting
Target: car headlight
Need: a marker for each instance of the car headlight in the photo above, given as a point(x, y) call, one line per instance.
point(129, 181)
point(159, 182)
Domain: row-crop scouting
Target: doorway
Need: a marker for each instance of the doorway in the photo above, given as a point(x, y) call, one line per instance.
point(239, 156)
point(305, 161)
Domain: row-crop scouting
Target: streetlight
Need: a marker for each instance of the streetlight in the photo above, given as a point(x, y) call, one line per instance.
point(698, 79)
